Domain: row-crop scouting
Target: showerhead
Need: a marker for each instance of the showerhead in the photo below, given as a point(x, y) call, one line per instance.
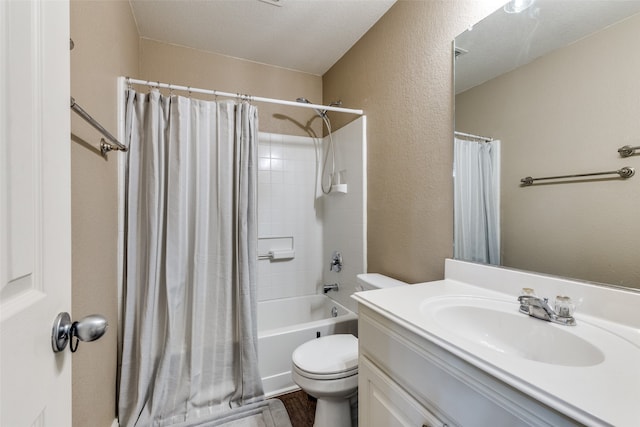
point(331, 149)
point(322, 114)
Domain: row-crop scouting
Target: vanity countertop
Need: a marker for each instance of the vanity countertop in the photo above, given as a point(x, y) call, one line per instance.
point(603, 391)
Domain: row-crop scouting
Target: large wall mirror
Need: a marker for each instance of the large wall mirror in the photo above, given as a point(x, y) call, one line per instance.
point(556, 85)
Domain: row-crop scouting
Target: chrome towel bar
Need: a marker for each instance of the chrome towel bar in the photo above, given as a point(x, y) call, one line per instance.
point(625, 172)
point(627, 150)
point(105, 147)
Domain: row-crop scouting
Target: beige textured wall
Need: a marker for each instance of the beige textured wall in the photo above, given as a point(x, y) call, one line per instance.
point(400, 73)
point(106, 46)
point(190, 67)
point(566, 113)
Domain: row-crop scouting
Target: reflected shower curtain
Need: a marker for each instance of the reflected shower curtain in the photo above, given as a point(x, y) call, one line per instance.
point(190, 341)
point(477, 201)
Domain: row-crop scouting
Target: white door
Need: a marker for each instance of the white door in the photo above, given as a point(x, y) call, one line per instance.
point(35, 220)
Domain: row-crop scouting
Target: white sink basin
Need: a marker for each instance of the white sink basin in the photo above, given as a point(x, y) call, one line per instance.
point(499, 326)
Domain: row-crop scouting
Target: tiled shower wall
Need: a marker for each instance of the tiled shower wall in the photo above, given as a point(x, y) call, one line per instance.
point(291, 205)
point(288, 207)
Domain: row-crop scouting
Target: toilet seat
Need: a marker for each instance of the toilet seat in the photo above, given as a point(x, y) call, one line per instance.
point(328, 357)
point(334, 376)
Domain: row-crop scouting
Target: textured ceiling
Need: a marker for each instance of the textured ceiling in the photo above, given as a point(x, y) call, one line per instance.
point(303, 35)
point(502, 42)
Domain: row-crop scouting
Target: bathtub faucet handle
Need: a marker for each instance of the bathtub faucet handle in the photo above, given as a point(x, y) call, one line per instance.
point(336, 262)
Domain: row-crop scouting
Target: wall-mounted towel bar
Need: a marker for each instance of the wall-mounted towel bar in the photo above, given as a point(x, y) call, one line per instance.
point(105, 147)
point(627, 150)
point(625, 172)
point(472, 136)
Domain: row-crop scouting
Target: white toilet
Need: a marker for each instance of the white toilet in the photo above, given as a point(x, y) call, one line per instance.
point(327, 367)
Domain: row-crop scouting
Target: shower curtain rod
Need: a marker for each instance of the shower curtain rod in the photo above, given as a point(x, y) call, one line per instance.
point(470, 135)
point(250, 98)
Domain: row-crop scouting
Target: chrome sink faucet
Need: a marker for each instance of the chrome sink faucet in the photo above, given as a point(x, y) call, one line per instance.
point(539, 308)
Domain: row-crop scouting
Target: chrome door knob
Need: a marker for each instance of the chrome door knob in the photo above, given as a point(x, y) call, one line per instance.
point(87, 329)
point(90, 328)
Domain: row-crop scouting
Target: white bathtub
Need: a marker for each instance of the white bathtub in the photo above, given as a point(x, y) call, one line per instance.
point(284, 324)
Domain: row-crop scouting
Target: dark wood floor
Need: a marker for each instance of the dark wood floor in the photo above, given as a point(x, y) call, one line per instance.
point(301, 408)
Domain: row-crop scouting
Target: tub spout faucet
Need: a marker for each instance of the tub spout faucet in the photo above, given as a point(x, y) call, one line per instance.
point(540, 309)
point(331, 287)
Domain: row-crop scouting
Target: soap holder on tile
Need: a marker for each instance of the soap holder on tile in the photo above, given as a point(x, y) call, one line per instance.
point(339, 188)
point(282, 254)
point(276, 248)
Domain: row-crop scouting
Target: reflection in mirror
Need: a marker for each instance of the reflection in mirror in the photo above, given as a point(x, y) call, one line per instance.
point(552, 90)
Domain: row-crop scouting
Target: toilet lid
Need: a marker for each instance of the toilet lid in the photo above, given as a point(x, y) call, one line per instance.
point(328, 355)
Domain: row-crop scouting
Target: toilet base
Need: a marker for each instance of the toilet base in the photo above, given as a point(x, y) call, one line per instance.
point(333, 413)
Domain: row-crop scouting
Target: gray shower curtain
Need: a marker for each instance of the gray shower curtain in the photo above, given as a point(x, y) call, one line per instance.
point(476, 225)
point(189, 342)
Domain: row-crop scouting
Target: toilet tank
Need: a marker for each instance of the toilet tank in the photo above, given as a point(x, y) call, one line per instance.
point(371, 281)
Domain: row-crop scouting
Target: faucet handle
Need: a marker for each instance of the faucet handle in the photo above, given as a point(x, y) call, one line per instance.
point(528, 292)
point(336, 262)
point(563, 306)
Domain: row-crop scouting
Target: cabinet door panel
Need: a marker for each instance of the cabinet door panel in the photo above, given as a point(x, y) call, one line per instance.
point(383, 403)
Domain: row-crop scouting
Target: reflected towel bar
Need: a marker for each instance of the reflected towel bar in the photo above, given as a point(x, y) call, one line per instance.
point(470, 135)
point(625, 172)
point(105, 147)
point(627, 150)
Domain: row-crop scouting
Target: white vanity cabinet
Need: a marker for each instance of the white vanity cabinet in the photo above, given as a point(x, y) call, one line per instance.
point(407, 380)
